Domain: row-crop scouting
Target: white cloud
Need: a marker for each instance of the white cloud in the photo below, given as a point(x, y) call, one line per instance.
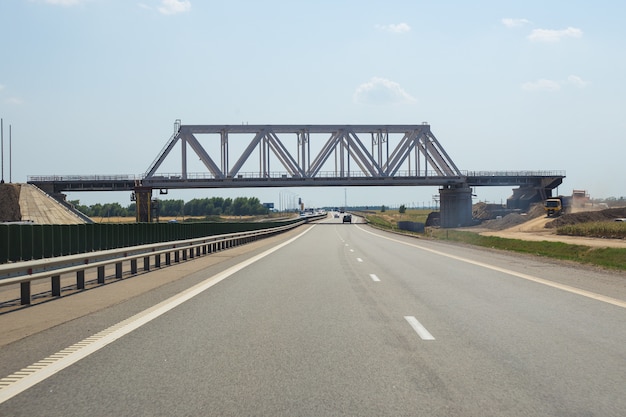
point(395, 28)
point(554, 85)
point(381, 91)
point(14, 101)
point(174, 6)
point(514, 23)
point(541, 85)
point(577, 81)
point(549, 35)
point(1, 87)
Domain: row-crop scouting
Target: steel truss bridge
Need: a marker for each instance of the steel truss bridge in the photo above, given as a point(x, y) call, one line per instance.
point(255, 156)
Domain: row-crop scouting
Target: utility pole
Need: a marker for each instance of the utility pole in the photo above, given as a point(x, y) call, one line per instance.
point(10, 157)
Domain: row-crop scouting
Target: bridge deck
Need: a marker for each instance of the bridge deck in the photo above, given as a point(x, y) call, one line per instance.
point(547, 180)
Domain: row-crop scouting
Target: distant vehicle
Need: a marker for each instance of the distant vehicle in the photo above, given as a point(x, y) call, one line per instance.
point(620, 219)
point(336, 216)
point(347, 218)
point(556, 206)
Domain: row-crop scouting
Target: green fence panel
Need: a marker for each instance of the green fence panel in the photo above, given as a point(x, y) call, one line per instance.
point(57, 240)
point(162, 234)
point(82, 238)
point(30, 241)
point(38, 242)
point(15, 243)
point(48, 240)
point(4, 243)
point(97, 240)
point(66, 239)
point(142, 233)
point(74, 233)
point(89, 236)
point(124, 235)
point(115, 236)
point(132, 234)
point(26, 239)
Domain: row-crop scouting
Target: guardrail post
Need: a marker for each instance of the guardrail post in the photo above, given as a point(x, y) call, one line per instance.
point(80, 279)
point(118, 270)
point(168, 258)
point(25, 293)
point(133, 266)
point(157, 261)
point(56, 285)
point(184, 254)
point(101, 275)
point(146, 263)
point(177, 256)
point(192, 253)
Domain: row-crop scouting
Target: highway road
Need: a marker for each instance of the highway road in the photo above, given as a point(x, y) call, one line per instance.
point(338, 320)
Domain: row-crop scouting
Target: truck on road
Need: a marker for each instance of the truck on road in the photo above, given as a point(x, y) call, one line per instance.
point(557, 206)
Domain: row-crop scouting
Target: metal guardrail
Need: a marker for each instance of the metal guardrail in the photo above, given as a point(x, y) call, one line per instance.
point(24, 273)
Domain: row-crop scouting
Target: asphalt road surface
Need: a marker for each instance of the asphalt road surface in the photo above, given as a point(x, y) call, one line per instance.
point(339, 320)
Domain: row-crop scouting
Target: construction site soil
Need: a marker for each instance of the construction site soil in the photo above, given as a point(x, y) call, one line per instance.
point(535, 226)
point(580, 215)
point(10, 203)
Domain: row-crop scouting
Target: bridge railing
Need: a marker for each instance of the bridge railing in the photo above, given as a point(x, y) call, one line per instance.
point(52, 178)
point(513, 173)
point(283, 175)
point(24, 273)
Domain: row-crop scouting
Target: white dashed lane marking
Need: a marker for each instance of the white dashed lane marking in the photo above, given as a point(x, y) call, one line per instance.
point(419, 328)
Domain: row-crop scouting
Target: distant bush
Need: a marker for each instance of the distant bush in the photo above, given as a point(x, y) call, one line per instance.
point(215, 206)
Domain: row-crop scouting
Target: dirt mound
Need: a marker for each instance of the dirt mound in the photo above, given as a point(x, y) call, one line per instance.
point(588, 216)
point(514, 219)
point(10, 203)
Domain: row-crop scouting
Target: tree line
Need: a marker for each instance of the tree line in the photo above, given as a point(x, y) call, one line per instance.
point(214, 206)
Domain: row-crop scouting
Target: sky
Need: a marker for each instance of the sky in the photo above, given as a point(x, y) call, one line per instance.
point(93, 87)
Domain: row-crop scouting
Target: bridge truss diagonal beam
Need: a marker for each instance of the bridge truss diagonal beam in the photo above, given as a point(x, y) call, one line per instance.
point(301, 154)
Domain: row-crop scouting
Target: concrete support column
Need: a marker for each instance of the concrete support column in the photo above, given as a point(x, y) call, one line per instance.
point(143, 200)
point(456, 207)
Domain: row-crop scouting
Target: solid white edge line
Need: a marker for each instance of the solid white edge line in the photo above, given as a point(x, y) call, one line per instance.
point(563, 287)
point(419, 328)
point(94, 343)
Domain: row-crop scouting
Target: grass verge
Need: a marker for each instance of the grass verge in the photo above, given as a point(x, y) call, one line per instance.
point(610, 258)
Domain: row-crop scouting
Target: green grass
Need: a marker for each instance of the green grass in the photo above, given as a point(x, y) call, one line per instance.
point(612, 258)
point(389, 218)
point(607, 229)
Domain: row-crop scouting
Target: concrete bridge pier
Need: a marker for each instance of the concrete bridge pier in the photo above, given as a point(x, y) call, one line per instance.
point(143, 201)
point(455, 206)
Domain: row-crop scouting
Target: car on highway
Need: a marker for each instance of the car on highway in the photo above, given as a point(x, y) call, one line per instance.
point(347, 218)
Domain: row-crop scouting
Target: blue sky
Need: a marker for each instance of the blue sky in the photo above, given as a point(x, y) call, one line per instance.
point(94, 86)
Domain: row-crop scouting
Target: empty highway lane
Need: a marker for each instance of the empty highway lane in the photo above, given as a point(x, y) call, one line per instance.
point(339, 320)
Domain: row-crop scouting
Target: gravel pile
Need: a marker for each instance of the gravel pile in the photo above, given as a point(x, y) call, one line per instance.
point(514, 219)
point(588, 216)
